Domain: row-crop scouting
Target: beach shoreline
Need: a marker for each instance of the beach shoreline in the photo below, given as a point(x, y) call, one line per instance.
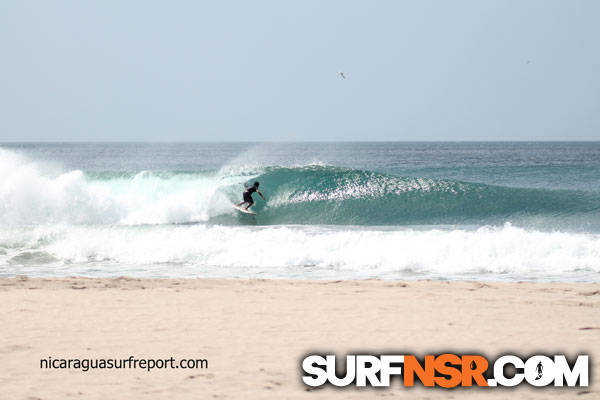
point(254, 333)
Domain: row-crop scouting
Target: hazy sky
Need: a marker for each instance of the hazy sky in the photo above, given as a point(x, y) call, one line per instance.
point(268, 70)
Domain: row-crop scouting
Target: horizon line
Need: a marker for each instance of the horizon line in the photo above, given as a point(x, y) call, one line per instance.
point(288, 141)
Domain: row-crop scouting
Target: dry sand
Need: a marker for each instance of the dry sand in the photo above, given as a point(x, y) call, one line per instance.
point(254, 333)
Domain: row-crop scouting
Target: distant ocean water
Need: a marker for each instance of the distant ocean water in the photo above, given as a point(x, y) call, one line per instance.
point(493, 211)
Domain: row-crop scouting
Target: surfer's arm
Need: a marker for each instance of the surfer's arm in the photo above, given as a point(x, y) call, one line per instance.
point(261, 195)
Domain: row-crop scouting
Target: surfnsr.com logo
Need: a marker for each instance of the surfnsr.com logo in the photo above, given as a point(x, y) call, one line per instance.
point(445, 370)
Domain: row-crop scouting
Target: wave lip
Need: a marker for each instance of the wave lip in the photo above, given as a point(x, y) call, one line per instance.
point(312, 194)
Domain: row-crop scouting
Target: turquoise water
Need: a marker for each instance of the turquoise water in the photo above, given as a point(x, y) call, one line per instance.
point(333, 210)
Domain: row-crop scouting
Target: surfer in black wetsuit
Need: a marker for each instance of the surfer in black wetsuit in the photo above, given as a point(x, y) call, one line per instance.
point(248, 195)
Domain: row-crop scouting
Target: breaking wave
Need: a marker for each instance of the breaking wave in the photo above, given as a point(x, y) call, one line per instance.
point(313, 194)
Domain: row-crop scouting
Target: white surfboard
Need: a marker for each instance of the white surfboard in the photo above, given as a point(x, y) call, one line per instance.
point(240, 209)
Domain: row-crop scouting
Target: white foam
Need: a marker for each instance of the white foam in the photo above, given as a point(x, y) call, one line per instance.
point(31, 195)
point(309, 252)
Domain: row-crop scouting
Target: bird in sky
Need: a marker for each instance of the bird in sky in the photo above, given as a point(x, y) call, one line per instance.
point(342, 75)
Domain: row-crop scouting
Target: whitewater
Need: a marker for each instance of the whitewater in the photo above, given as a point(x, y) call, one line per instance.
point(326, 217)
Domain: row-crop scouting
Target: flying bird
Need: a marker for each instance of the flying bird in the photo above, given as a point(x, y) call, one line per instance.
point(342, 75)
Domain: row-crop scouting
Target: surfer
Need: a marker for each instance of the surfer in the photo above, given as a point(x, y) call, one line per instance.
point(248, 195)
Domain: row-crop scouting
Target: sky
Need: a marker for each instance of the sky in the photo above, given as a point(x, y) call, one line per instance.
point(269, 70)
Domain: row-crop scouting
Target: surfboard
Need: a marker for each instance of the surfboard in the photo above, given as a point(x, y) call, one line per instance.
point(240, 209)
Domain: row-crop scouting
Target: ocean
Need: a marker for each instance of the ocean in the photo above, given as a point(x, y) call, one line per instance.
point(506, 211)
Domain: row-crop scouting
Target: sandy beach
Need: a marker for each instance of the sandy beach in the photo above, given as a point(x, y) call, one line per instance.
point(254, 333)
